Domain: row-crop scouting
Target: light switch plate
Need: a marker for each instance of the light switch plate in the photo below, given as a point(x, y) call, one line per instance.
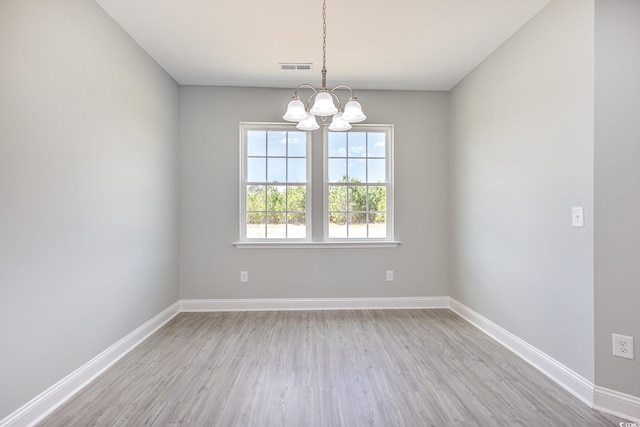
point(577, 216)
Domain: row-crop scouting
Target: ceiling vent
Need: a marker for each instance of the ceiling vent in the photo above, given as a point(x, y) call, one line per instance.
point(295, 66)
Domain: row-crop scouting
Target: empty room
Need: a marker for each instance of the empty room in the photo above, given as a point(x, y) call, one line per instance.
point(319, 213)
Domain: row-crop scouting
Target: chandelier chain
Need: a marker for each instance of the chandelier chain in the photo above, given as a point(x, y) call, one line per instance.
point(324, 34)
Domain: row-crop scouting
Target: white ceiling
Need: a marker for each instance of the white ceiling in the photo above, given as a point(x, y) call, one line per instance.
point(371, 44)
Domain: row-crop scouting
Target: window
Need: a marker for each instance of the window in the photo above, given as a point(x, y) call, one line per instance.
point(357, 191)
point(275, 202)
point(358, 183)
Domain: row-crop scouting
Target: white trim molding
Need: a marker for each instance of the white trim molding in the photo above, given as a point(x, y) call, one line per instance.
point(52, 398)
point(358, 244)
point(48, 401)
point(273, 304)
point(599, 398)
point(571, 381)
point(602, 399)
point(615, 403)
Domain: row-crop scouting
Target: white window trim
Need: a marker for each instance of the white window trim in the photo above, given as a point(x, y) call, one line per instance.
point(308, 243)
point(389, 131)
point(360, 244)
point(245, 127)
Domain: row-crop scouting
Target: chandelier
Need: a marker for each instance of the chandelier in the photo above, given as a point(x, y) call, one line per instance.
point(323, 106)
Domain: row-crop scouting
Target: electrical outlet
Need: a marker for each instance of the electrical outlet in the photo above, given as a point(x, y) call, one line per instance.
point(389, 275)
point(244, 276)
point(623, 346)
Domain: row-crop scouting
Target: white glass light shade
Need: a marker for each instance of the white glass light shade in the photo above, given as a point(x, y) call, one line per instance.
point(310, 123)
point(323, 105)
point(338, 124)
point(353, 112)
point(295, 111)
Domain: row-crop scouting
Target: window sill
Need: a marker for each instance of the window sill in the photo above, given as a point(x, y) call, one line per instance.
point(316, 245)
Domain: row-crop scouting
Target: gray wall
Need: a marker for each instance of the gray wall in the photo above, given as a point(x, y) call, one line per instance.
point(88, 191)
point(617, 190)
point(522, 156)
point(209, 162)
point(89, 176)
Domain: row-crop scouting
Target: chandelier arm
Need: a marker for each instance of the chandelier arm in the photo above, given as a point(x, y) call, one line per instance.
point(336, 98)
point(344, 87)
point(304, 86)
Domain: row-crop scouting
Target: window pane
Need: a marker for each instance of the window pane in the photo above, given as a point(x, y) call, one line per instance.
point(337, 225)
point(297, 198)
point(297, 170)
point(297, 144)
point(256, 169)
point(376, 141)
point(337, 198)
point(376, 170)
point(277, 143)
point(357, 219)
point(357, 144)
point(337, 170)
point(256, 227)
point(337, 144)
point(256, 143)
point(276, 198)
point(296, 218)
point(357, 170)
point(377, 225)
point(256, 198)
point(276, 170)
point(377, 198)
point(276, 226)
point(358, 225)
point(357, 198)
point(296, 226)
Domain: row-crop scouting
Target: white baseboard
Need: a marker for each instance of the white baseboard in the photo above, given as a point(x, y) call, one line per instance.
point(616, 403)
point(47, 401)
point(571, 381)
point(599, 398)
point(273, 304)
point(610, 401)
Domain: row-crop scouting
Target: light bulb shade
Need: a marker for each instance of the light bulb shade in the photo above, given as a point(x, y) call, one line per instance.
point(338, 124)
point(353, 112)
point(295, 111)
point(310, 123)
point(323, 105)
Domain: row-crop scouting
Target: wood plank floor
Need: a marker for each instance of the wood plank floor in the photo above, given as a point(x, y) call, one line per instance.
point(323, 368)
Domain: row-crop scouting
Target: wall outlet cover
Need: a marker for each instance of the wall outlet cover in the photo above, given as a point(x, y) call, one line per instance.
point(623, 346)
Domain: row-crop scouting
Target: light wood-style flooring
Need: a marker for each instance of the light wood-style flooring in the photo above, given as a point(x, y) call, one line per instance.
point(323, 368)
